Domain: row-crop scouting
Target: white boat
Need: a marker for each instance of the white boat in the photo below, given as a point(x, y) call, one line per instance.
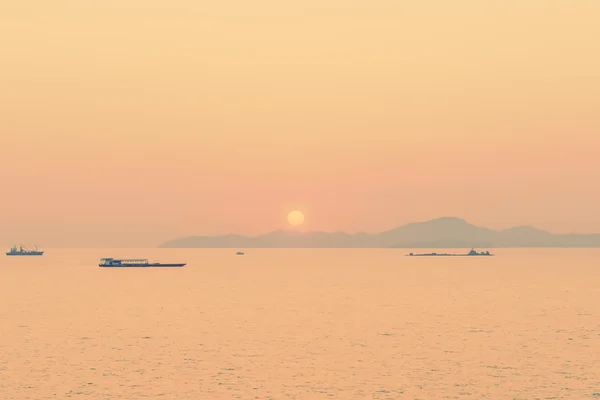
point(132, 263)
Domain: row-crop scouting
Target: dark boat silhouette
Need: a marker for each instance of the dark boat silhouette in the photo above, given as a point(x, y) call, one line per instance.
point(471, 253)
point(132, 263)
point(21, 251)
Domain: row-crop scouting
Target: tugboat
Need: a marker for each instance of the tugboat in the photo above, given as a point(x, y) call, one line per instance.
point(132, 263)
point(23, 251)
point(469, 254)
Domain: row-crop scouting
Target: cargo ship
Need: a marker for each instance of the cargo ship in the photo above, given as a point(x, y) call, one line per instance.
point(132, 263)
point(21, 251)
point(471, 253)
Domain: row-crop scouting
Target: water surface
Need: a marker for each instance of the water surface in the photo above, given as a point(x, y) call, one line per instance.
point(301, 324)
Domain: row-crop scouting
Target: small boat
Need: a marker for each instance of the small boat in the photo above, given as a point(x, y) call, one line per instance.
point(239, 253)
point(23, 252)
point(469, 254)
point(132, 263)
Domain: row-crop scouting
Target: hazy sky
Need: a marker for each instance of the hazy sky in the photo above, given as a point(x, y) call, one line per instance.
point(132, 122)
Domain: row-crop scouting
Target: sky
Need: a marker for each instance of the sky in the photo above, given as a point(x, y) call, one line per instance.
point(132, 122)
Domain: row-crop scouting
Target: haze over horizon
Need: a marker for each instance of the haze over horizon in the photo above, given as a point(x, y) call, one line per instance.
point(131, 123)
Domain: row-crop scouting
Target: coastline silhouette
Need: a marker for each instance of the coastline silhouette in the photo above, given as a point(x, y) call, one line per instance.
point(445, 232)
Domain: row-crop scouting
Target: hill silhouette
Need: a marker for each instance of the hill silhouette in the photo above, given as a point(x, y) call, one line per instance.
point(446, 232)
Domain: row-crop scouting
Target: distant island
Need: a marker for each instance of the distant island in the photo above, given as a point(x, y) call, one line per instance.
point(447, 232)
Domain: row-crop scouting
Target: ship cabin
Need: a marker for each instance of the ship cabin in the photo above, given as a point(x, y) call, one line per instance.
point(483, 253)
point(14, 249)
point(117, 262)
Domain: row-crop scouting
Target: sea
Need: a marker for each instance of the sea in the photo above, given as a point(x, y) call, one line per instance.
point(301, 324)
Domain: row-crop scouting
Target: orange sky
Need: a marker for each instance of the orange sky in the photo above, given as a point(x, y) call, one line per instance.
point(131, 122)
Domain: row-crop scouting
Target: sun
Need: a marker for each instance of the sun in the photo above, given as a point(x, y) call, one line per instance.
point(295, 218)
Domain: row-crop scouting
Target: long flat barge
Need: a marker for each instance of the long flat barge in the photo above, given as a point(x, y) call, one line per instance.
point(134, 263)
point(471, 253)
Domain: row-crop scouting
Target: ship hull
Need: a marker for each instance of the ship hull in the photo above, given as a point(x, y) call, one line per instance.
point(450, 255)
point(155, 265)
point(37, 253)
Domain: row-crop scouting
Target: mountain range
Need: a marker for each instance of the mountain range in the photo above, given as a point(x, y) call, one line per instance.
point(446, 232)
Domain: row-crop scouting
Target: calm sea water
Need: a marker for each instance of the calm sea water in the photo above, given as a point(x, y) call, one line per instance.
point(301, 324)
